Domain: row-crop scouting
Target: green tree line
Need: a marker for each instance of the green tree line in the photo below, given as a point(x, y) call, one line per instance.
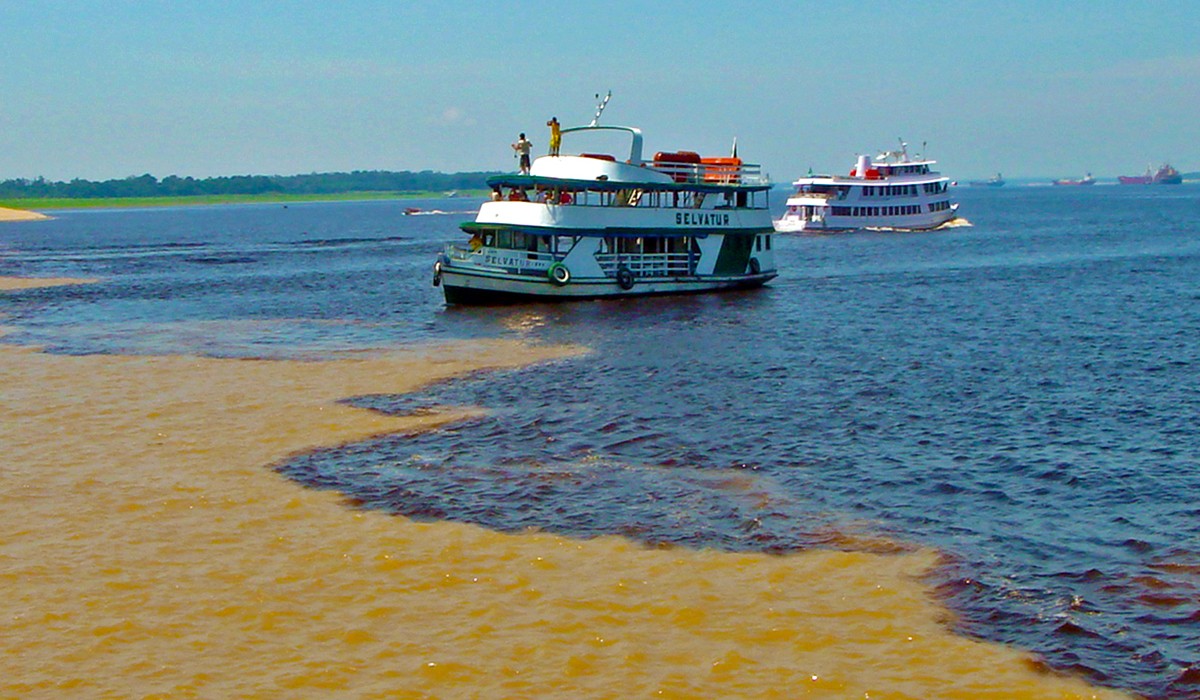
point(174, 186)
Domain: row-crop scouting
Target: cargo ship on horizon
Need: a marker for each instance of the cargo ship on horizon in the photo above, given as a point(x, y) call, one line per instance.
point(997, 181)
point(1166, 175)
point(1087, 180)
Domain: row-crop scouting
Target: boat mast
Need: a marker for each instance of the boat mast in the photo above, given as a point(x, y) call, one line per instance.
point(600, 107)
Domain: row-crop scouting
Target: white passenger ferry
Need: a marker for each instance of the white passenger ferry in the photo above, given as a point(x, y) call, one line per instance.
point(591, 225)
point(890, 192)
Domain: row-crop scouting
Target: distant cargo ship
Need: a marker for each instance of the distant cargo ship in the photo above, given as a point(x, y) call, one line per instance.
point(997, 181)
point(1087, 180)
point(1166, 175)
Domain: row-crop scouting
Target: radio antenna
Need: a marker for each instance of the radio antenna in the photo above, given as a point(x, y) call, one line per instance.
point(600, 107)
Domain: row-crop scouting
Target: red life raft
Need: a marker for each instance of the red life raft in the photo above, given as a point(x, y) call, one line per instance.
point(676, 164)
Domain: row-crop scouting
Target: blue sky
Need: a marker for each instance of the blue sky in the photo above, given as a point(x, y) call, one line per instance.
point(108, 89)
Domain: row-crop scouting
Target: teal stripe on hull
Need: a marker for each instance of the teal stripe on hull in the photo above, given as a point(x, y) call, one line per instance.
point(491, 297)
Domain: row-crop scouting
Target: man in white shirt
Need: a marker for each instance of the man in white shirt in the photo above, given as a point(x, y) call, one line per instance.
point(522, 147)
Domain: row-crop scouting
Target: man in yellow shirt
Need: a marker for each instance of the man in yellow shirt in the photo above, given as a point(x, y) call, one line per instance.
point(555, 135)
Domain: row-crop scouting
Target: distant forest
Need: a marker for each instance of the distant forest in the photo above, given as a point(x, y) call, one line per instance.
point(315, 183)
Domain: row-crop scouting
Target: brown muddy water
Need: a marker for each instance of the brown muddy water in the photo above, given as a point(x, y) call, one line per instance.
point(149, 549)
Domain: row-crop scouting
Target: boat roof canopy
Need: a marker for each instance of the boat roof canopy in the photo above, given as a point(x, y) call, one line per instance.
point(635, 148)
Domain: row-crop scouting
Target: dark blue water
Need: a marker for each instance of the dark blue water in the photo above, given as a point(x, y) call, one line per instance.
point(1021, 394)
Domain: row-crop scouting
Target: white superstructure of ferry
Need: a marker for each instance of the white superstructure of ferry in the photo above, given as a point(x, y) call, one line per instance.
point(891, 191)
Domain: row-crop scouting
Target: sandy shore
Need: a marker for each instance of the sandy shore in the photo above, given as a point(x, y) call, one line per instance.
point(14, 283)
point(20, 215)
point(147, 548)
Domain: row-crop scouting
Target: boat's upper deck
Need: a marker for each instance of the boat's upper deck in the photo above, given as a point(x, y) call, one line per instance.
point(888, 168)
point(694, 184)
point(667, 171)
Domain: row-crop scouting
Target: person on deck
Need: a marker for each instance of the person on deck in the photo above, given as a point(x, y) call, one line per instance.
point(522, 147)
point(555, 135)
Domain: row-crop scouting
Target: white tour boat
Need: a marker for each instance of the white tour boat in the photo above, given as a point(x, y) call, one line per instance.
point(591, 225)
point(890, 192)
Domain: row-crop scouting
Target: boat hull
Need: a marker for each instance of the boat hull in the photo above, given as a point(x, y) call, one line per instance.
point(838, 224)
point(478, 288)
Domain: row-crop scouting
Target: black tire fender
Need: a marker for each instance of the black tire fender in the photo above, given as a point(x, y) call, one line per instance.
point(625, 278)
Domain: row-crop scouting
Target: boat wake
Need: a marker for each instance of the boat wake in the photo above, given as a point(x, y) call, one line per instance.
point(439, 212)
point(958, 222)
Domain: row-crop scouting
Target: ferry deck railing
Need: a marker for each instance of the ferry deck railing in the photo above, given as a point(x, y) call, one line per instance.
point(818, 195)
point(712, 173)
point(640, 264)
point(647, 264)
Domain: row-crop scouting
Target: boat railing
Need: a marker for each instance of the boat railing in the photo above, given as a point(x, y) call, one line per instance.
point(646, 264)
point(716, 173)
point(815, 195)
point(457, 252)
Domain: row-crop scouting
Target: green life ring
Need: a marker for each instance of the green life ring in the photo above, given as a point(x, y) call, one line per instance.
point(559, 274)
